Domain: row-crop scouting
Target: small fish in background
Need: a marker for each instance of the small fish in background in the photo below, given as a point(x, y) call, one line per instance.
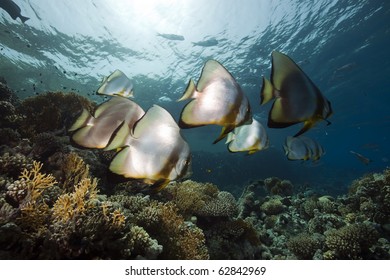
point(12, 9)
point(206, 43)
point(156, 154)
point(297, 98)
point(172, 37)
point(217, 99)
point(95, 131)
point(362, 158)
point(316, 150)
point(302, 148)
point(116, 84)
point(249, 138)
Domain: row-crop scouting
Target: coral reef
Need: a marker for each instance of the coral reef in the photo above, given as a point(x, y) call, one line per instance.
point(59, 202)
point(50, 112)
point(351, 241)
point(304, 246)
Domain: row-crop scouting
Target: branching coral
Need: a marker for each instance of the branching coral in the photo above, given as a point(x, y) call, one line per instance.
point(74, 170)
point(169, 228)
point(370, 196)
point(70, 205)
point(351, 241)
point(303, 246)
point(26, 193)
point(12, 165)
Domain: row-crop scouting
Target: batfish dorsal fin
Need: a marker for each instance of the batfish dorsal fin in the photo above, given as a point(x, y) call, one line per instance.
point(211, 70)
point(190, 91)
point(267, 91)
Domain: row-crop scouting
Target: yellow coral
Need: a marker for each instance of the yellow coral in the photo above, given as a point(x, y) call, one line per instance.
point(70, 205)
point(184, 242)
point(75, 170)
point(37, 182)
point(34, 211)
point(116, 218)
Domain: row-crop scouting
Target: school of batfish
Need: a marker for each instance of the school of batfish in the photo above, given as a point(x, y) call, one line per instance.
point(149, 145)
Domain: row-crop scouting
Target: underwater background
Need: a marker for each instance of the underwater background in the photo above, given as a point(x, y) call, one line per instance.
point(56, 60)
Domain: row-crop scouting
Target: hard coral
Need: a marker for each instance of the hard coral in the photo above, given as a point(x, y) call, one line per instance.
point(222, 205)
point(370, 196)
point(13, 164)
point(276, 186)
point(352, 241)
point(28, 196)
point(304, 246)
point(180, 240)
point(71, 205)
point(273, 206)
point(202, 199)
point(51, 111)
point(73, 170)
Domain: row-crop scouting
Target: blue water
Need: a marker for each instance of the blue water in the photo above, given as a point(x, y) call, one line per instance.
point(341, 45)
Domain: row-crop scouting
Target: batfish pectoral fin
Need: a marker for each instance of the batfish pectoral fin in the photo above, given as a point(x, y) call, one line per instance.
point(251, 152)
point(190, 91)
point(81, 121)
point(159, 185)
point(230, 137)
point(224, 132)
point(267, 91)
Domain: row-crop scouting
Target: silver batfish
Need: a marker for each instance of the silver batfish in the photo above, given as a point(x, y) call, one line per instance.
point(156, 152)
point(116, 84)
point(249, 138)
point(297, 98)
point(95, 131)
point(217, 99)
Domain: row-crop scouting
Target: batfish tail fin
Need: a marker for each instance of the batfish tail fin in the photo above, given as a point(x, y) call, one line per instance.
point(189, 92)
point(23, 19)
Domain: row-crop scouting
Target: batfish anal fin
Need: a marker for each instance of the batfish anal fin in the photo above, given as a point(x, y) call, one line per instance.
point(307, 125)
point(225, 131)
point(159, 185)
